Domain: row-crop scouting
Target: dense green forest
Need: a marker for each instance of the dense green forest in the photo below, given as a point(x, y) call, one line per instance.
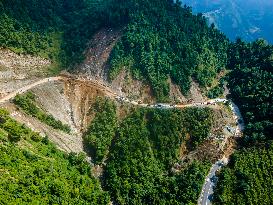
point(251, 86)
point(101, 132)
point(34, 171)
point(160, 39)
point(27, 103)
point(140, 150)
point(146, 147)
point(139, 156)
point(55, 29)
point(248, 177)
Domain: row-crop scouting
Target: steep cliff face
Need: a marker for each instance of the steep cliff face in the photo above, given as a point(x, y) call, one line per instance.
point(249, 20)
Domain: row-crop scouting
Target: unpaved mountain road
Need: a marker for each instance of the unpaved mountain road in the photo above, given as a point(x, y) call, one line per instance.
point(24, 89)
point(211, 179)
point(108, 92)
point(28, 87)
point(207, 190)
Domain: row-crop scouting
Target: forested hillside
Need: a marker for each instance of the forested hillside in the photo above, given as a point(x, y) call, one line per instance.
point(160, 41)
point(138, 153)
point(248, 177)
point(146, 147)
point(55, 29)
point(160, 38)
point(101, 132)
point(251, 85)
point(34, 171)
point(164, 40)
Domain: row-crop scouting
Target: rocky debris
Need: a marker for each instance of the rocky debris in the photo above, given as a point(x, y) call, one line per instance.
point(219, 142)
point(51, 98)
point(12, 60)
point(16, 70)
point(97, 171)
point(68, 100)
point(195, 93)
point(95, 65)
point(175, 93)
point(132, 88)
point(9, 86)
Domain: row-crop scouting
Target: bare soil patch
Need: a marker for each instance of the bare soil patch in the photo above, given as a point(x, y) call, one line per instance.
point(17, 71)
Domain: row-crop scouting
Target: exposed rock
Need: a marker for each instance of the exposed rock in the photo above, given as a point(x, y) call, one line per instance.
point(17, 70)
point(16, 62)
point(95, 64)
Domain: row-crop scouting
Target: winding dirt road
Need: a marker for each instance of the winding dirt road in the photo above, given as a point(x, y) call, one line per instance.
point(28, 87)
point(207, 190)
point(211, 179)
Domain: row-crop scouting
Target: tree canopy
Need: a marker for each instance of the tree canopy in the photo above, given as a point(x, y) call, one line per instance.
point(34, 171)
point(248, 177)
point(160, 40)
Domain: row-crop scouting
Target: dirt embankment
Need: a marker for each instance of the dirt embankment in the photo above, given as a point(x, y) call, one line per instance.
point(81, 96)
point(17, 71)
point(70, 101)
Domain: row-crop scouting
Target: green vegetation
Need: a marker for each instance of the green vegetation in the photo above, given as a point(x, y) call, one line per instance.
point(160, 39)
point(217, 91)
point(143, 148)
point(163, 39)
point(27, 103)
point(168, 129)
point(251, 86)
point(141, 152)
point(34, 171)
point(248, 177)
point(102, 129)
point(54, 29)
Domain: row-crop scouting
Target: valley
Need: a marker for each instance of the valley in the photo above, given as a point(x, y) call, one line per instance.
point(236, 19)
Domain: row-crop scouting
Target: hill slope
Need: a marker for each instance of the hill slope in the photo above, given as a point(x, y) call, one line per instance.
point(147, 155)
point(238, 19)
point(146, 47)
